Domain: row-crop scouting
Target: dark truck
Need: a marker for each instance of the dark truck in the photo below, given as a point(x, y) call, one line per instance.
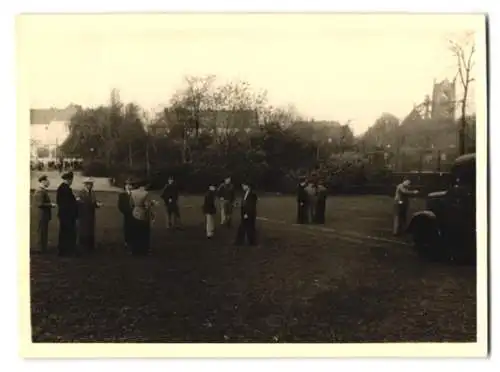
point(446, 229)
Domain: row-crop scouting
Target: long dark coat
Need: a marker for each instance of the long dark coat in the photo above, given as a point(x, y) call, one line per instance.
point(68, 215)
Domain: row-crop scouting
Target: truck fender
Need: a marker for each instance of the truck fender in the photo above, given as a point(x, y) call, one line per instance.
point(422, 217)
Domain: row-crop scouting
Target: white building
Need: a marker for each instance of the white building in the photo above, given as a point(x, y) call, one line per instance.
point(49, 129)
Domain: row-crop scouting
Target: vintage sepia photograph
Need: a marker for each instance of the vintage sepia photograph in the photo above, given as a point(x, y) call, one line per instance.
point(254, 179)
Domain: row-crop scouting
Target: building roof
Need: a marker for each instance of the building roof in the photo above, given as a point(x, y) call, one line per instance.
point(46, 116)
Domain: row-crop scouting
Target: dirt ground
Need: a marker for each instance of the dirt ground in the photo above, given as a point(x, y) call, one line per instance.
point(347, 281)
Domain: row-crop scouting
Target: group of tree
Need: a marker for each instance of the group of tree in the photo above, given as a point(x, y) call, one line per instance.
point(209, 130)
point(206, 132)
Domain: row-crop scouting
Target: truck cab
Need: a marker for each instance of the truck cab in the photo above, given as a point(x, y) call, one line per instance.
point(446, 229)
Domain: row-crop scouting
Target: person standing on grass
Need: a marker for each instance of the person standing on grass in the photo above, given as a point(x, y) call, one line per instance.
point(142, 216)
point(302, 203)
point(312, 197)
point(227, 196)
point(401, 204)
point(247, 228)
point(87, 210)
point(209, 210)
point(44, 205)
point(170, 196)
point(321, 203)
point(125, 208)
point(68, 215)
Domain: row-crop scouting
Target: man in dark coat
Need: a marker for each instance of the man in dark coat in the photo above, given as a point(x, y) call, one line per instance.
point(44, 206)
point(302, 200)
point(68, 215)
point(125, 208)
point(86, 215)
point(247, 226)
point(170, 196)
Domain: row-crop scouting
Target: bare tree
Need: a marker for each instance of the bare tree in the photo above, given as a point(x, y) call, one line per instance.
point(189, 105)
point(464, 52)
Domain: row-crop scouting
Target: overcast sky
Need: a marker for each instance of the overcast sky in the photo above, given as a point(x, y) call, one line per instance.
point(329, 67)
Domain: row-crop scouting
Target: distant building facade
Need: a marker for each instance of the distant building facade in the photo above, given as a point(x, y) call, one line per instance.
point(443, 105)
point(49, 128)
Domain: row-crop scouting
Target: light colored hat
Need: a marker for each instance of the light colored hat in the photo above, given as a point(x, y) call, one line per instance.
point(88, 180)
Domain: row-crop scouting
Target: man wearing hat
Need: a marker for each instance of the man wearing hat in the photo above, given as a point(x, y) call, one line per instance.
point(247, 226)
point(170, 196)
point(44, 206)
point(68, 215)
point(401, 204)
point(125, 208)
point(86, 217)
point(209, 210)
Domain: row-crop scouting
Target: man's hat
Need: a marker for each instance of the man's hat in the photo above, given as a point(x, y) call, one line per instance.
point(88, 180)
point(67, 176)
point(42, 178)
point(248, 183)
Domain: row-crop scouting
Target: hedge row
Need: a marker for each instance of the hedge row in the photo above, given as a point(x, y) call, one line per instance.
point(192, 179)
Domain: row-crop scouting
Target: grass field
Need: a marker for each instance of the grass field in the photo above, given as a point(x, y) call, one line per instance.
point(349, 281)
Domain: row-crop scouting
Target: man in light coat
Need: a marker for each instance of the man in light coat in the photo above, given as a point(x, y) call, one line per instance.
point(401, 205)
point(44, 206)
point(312, 197)
point(227, 196)
point(87, 204)
point(142, 216)
point(125, 208)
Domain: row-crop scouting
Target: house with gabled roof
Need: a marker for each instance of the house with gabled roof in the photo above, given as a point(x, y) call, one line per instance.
point(49, 128)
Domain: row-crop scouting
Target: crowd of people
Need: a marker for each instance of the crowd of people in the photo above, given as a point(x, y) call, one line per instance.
point(311, 202)
point(60, 165)
point(77, 214)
